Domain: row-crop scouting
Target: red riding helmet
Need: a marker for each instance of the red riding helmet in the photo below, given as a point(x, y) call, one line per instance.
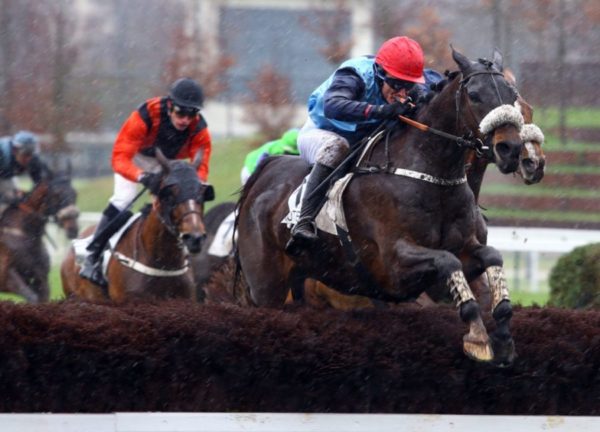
point(402, 58)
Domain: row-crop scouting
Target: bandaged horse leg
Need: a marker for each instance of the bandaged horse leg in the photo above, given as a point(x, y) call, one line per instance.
point(502, 341)
point(485, 260)
point(476, 343)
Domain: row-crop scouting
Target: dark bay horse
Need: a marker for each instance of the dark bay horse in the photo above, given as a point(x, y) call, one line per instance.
point(150, 261)
point(410, 214)
point(531, 169)
point(24, 260)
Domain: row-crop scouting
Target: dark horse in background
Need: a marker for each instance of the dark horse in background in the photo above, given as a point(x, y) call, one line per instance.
point(410, 235)
point(24, 260)
point(150, 260)
point(204, 264)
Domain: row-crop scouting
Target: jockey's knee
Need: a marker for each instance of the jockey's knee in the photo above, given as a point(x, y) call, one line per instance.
point(332, 151)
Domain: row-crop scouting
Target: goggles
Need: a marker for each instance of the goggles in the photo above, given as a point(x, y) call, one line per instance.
point(185, 111)
point(395, 83)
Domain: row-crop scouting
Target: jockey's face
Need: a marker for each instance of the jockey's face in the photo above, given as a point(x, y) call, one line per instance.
point(181, 119)
point(391, 95)
point(23, 158)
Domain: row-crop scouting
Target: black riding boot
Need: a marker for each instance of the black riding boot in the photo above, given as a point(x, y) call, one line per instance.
point(108, 225)
point(305, 231)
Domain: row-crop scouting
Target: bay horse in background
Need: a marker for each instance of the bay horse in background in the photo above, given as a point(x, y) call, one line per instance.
point(150, 260)
point(24, 260)
point(409, 212)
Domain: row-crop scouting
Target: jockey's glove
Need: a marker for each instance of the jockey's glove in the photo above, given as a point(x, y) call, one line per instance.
point(151, 181)
point(390, 111)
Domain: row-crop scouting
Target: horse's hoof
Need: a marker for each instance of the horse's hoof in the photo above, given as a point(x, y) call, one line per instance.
point(504, 351)
point(478, 351)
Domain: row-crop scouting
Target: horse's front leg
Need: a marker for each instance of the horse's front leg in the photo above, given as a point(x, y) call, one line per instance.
point(17, 285)
point(486, 259)
point(419, 266)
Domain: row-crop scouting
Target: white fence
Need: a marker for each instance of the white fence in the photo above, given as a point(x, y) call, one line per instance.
point(529, 252)
point(270, 422)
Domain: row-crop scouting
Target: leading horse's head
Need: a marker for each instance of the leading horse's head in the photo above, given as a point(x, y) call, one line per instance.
point(181, 200)
point(61, 200)
point(488, 99)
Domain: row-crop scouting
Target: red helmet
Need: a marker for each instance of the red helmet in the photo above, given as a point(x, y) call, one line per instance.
point(402, 58)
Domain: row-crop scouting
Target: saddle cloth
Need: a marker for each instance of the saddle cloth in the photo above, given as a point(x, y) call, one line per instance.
point(332, 212)
point(222, 244)
point(80, 245)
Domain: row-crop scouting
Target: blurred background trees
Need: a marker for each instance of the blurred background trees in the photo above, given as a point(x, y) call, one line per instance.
point(83, 65)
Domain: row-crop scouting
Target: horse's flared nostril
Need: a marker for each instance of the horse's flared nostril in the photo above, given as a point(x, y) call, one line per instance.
point(507, 155)
point(193, 242)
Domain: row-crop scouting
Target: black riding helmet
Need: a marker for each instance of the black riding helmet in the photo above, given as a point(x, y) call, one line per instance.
point(25, 142)
point(187, 93)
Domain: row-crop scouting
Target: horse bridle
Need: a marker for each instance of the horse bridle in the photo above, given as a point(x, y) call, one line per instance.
point(468, 140)
point(482, 150)
point(171, 225)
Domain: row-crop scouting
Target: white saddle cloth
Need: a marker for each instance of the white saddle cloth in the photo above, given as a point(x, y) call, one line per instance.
point(330, 215)
point(222, 244)
point(80, 245)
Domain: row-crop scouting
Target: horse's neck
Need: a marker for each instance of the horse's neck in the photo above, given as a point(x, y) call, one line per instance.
point(29, 214)
point(475, 173)
point(428, 152)
point(158, 242)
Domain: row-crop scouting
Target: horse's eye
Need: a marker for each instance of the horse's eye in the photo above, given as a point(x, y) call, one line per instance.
point(474, 96)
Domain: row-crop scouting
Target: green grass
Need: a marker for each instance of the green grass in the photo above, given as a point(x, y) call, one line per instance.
point(556, 216)
point(584, 117)
point(537, 191)
point(528, 298)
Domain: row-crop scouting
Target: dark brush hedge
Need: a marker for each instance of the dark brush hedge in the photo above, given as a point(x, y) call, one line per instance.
point(174, 356)
point(575, 279)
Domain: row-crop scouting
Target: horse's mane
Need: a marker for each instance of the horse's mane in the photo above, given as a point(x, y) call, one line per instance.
point(145, 211)
point(252, 179)
point(435, 89)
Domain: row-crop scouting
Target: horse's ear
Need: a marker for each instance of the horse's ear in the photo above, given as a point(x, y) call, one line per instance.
point(198, 159)
point(162, 160)
point(209, 193)
point(462, 61)
point(498, 59)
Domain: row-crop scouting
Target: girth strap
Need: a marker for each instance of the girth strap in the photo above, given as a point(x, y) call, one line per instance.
point(364, 276)
point(428, 178)
point(150, 271)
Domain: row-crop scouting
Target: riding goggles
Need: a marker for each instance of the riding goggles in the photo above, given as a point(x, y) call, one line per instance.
point(185, 111)
point(395, 83)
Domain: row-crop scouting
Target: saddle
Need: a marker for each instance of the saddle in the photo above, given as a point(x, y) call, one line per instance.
point(331, 216)
point(80, 245)
point(223, 242)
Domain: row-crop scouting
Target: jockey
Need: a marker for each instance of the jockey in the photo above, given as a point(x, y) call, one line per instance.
point(174, 125)
point(18, 154)
point(287, 144)
point(361, 94)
